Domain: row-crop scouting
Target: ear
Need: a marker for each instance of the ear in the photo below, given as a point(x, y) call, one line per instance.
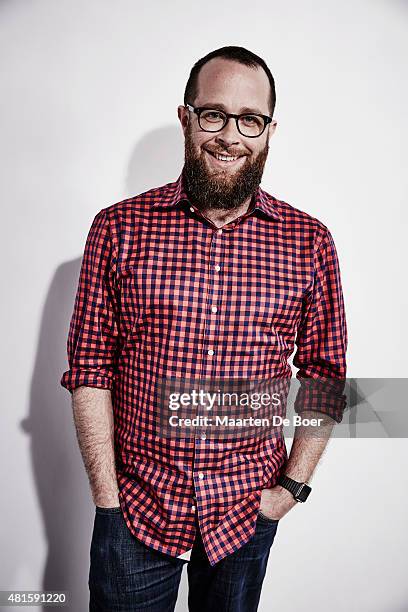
point(183, 115)
point(272, 128)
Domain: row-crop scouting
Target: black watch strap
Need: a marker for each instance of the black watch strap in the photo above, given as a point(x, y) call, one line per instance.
point(299, 490)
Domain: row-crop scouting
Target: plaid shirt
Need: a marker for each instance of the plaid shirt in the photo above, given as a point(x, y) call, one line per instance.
point(163, 292)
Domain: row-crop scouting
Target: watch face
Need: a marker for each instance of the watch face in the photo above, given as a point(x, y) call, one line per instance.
point(303, 494)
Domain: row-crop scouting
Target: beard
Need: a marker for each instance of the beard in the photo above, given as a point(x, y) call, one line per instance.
point(220, 190)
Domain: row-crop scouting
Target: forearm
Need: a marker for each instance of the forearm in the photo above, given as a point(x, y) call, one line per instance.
point(308, 446)
point(93, 417)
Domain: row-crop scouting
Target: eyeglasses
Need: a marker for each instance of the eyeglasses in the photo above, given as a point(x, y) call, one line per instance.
point(250, 125)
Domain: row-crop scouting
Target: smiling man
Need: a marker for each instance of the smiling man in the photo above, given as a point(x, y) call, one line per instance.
point(225, 155)
point(206, 277)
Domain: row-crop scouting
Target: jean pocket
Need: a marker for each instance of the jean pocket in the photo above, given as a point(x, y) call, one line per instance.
point(114, 510)
point(266, 519)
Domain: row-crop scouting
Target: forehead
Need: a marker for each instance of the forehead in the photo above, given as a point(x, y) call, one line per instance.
point(234, 85)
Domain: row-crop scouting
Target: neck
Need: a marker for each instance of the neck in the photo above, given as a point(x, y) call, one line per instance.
point(222, 216)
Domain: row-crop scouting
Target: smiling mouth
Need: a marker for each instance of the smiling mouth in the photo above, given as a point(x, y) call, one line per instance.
point(224, 158)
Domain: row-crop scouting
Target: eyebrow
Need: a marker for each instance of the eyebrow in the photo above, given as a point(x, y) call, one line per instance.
point(244, 109)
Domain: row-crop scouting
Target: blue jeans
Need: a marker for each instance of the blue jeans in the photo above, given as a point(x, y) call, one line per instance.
point(127, 576)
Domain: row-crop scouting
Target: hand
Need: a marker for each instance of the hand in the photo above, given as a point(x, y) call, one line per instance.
point(276, 502)
point(107, 502)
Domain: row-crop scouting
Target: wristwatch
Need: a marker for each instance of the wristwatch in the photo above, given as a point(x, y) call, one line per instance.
point(299, 490)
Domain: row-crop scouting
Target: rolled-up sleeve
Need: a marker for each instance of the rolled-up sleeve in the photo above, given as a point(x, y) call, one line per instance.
point(322, 337)
point(93, 331)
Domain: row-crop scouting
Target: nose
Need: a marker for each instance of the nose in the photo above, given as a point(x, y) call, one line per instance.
point(229, 134)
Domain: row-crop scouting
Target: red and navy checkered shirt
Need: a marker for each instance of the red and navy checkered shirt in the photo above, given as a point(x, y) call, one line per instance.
point(163, 292)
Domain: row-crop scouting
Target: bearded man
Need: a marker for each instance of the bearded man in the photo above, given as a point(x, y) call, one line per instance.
point(206, 277)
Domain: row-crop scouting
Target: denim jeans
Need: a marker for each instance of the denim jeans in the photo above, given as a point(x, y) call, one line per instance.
point(127, 576)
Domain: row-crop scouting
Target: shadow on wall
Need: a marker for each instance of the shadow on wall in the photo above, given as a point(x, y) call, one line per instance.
point(60, 477)
point(157, 159)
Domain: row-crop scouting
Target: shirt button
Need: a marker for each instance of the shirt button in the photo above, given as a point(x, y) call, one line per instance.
point(192, 209)
point(217, 267)
point(193, 508)
point(210, 352)
point(200, 475)
point(219, 231)
point(203, 436)
point(214, 309)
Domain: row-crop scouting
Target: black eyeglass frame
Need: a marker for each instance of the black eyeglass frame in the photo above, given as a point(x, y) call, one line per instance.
point(198, 110)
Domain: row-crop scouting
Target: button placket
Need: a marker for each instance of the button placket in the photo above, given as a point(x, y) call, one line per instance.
point(212, 308)
point(214, 296)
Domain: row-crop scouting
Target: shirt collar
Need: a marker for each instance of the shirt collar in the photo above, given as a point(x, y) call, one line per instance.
point(175, 193)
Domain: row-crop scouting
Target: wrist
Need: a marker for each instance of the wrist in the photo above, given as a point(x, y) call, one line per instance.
point(106, 501)
point(282, 492)
point(299, 490)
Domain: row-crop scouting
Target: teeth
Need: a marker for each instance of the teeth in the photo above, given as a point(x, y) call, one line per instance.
point(225, 157)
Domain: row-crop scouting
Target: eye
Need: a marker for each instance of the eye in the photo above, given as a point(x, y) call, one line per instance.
point(212, 115)
point(251, 120)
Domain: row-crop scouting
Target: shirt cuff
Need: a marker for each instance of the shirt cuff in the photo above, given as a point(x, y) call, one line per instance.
point(324, 396)
point(76, 377)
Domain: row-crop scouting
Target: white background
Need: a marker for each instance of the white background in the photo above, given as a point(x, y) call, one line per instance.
point(88, 117)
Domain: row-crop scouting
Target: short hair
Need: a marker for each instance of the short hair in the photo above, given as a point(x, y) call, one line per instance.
point(235, 54)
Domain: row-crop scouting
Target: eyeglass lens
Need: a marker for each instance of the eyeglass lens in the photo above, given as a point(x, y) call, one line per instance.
point(215, 120)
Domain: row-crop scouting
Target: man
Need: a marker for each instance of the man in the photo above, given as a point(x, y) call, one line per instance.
point(210, 277)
